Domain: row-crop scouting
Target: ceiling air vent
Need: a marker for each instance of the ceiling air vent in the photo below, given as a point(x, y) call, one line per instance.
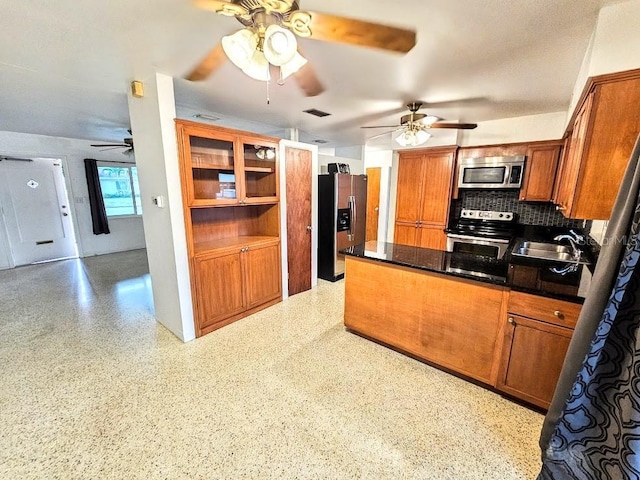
point(317, 113)
point(320, 141)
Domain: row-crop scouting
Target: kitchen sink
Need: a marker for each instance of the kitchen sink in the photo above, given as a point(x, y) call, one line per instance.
point(546, 251)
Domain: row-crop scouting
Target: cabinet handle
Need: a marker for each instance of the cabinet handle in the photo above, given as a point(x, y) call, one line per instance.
point(559, 208)
point(558, 313)
point(511, 320)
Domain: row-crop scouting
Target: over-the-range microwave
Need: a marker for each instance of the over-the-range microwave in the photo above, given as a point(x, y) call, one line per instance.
point(491, 172)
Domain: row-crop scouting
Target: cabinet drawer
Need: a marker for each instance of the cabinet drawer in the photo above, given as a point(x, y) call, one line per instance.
point(551, 310)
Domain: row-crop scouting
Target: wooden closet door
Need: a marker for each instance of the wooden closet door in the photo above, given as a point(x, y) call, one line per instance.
point(409, 191)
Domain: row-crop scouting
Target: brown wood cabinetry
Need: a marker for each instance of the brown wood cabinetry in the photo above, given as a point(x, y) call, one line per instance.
point(230, 282)
point(421, 313)
point(537, 336)
point(227, 167)
point(540, 172)
point(232, 218)
point(423, 196)
point(602, 134)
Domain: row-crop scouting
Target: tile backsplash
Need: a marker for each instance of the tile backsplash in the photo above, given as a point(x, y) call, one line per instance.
point(529, 213)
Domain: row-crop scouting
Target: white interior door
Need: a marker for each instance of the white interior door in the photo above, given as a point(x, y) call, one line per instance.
point(36, 210)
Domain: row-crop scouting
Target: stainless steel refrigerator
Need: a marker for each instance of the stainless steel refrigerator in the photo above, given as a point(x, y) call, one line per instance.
point(342, 209)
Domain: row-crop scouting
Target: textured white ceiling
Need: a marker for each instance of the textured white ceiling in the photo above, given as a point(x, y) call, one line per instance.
point(65, 66)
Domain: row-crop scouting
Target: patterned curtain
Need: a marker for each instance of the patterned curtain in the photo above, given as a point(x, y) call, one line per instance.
point(592, 430)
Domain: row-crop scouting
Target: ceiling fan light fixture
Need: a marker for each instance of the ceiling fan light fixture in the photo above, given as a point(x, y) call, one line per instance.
point(411, 137)
point(240, 47)
point(280, 45)
point(265, 153)
point(292, 66)
point(258, 67)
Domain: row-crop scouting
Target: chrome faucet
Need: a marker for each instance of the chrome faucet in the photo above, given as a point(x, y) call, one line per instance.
point(573, 238)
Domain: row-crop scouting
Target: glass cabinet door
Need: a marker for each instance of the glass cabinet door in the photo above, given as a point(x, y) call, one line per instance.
point(213, 169)
point(260, 172)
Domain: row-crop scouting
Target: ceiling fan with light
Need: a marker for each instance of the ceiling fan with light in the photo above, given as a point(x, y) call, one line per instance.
point(413, 126)
point(269, 39)
point(127, 144)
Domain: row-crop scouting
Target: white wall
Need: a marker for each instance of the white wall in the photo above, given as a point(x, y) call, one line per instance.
point(356, 167)
point(614, 45)
point(126, 233)
point(547, 126)
point(152, 120)
point(617, 39)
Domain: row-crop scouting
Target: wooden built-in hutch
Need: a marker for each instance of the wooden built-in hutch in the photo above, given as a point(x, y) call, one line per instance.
point(230, 193)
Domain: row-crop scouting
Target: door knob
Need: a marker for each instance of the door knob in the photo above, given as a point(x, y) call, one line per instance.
point(309, 227)
point(511, 320)
point(376, 209)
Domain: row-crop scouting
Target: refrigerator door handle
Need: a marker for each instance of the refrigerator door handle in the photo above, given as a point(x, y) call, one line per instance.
point(352, 212)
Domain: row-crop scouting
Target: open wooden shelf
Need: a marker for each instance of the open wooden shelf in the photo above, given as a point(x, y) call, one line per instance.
point(213, 167)
point(258, 169)
point(204, 248)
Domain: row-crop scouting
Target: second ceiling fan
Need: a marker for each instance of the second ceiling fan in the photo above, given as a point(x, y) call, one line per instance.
point(413, 126)
point(268, 39)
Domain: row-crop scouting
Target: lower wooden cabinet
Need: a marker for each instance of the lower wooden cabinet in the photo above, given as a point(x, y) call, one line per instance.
point(231, 282)
point(262, 274)
point(219, 282)
point(536, 340)
point(419, 235)
point(451, 322)
point(532, 358)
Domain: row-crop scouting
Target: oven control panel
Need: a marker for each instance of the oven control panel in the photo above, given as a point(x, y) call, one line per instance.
point(487, 215)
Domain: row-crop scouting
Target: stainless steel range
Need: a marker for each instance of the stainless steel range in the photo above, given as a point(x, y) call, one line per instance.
point(482, 232)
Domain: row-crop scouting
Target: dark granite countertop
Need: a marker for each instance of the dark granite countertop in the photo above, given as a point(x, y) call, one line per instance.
point(526, 275)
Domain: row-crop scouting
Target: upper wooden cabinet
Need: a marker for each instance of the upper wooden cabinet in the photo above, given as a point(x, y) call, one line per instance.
point(602, 134)
point(423, 195)
point(224, 167)
point(540, 172)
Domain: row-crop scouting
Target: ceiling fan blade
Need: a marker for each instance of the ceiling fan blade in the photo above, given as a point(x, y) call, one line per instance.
point(111, 148)
point(308, 81)
point(223, 8)
point(111, 145)
point(209, 64)
point(384, 126)
point(380, 135)
point(460, 126)
point(331, 28)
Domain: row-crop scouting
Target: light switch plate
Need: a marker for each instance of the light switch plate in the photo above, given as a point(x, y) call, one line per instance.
point(158, 201)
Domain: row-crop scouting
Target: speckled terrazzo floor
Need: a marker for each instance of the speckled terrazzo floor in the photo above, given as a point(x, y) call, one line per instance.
point(93, 388)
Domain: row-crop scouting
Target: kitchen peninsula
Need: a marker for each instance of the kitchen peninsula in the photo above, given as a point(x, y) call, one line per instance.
point(473, 316)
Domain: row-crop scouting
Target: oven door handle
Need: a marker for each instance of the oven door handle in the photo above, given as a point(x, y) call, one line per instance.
point(477, 239)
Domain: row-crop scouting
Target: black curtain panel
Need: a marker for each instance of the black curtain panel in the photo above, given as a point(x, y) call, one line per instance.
point(98, 212)
point(592, 429)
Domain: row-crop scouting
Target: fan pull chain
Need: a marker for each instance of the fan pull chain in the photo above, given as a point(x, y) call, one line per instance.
point(268, 99)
